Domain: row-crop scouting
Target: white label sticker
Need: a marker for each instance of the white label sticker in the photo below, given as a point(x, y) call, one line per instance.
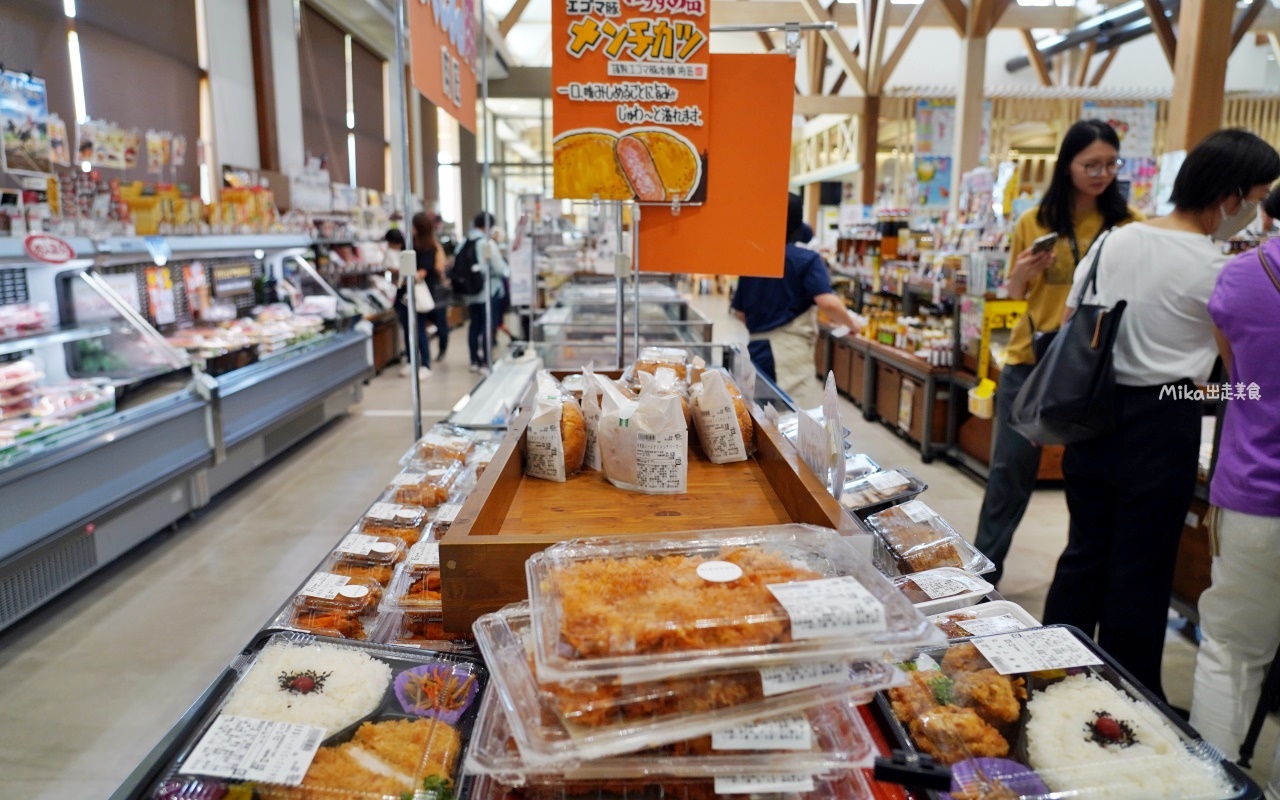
point(986, 626)
point(781, 733)
point(719, 571)
point(354, 592)
point(247, 749)
point(794, 677)
point(720, 434)
point(764, 784)
point(1035, 650)
point(662, 461)
point(324, 585)
point(591, 414)
point(425, 554)
point(386, 511)
point(448, 512)
point(382, 547)
point(407, 478)
point(887, 481)
point(544, 449)
point(940, 585)
point(829, 607)
point(438, 472)
point(359, 544)
point(917, 511)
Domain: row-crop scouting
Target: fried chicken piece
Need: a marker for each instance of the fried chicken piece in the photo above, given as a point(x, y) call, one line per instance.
point(596, 704)
point(964, 658)
point(916, 697)
point(424, 588)
point(344, 624)
point(990, 694)
point(951, 734)
point(381, 574)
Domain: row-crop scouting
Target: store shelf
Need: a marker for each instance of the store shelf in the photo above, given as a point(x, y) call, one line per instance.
point(11, 248)
point(18, 344)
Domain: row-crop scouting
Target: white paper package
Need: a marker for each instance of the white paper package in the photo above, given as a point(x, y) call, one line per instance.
point(644, 443)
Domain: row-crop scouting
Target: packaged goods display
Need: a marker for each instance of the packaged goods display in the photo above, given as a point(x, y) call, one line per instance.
point(912, 537)
point(443, 443)
point(941, 589)
point(556, 437)
point(1056, 721)
point(721, 418)
point(394, 520)
point(425, 483)
point(23, 319)
point(844, 786)
point(675, 358)
point(335, 605)
point(984, 619)
point(644, 442)
point(483, 456)
point(417, 583)
point(870, 493)
point(309, 719)
point(360, 555)
point(858, 465)
point(644, 607)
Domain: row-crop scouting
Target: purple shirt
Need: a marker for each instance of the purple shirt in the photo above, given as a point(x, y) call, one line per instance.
point(1246, 307)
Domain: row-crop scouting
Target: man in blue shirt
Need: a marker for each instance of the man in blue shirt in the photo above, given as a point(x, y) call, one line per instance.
point(778, 312)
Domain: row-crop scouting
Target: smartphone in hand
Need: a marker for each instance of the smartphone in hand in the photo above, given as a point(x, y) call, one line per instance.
point(1044, 244)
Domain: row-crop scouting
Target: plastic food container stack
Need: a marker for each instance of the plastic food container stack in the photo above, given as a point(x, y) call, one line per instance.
point(913, 537)
point(873, 492)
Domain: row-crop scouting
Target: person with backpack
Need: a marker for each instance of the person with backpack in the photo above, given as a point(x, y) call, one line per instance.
point(467, 278)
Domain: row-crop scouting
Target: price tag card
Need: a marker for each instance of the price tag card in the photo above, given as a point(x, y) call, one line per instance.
point(408, 478)
point(986, 626)
point(829, 607)
point(425, 554)
point(1035, 650)
point(948, 584)
point(793, 677)
point(887, 481)
point(781, 733)
point(764, 784)
point(384, 511)
point(357, 544)
point(917, 511)
point(247, 749)
point(325, 585)
point(448, 512)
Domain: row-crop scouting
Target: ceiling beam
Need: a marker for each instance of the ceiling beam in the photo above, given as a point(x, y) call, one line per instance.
point(908, 33)
point(767, 41)
point(835, 41)
point(875, 56)
point(513, 16)
point(1245, 22)
point(773, 12)
point(1102, 68)
point(1163, 29)
point(1037, 60)
point(1082, 68)
point(956, 14)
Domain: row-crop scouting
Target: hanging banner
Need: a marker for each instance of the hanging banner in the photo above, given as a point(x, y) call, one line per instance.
point(442, 34)
point(24, 120)
point(631, 93)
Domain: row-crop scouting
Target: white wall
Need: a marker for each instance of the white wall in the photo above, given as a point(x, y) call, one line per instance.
point(235, 115)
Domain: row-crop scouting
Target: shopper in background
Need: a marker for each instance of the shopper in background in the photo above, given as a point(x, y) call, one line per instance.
point(1082, 200)
point(480, 249)
point(1265, 225)
point(395, 246)
point(1239, 613)
point(1128, 491)
point(431, 260)
point(778, 312)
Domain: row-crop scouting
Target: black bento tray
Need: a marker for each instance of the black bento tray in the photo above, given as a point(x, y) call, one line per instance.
point(900, 739)
point(168, 757)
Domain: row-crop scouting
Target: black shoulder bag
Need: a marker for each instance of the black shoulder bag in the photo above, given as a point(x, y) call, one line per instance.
point(1069, 396)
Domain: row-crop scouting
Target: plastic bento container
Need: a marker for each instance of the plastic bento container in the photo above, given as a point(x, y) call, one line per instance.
point(417, 582)
point(360, 555)
point(404, 522)
point(819, 740)
point(1063, 718)
point(647, 607)
point(442, 442)
point(859, 465)
point(424, 483)
point(941, 589)
point(913, 537)
point(847, 785)
point(308, 717)
point(984, 619)
point(873, 492)
point(483, 456)
point(334, 605)
point(584, 719)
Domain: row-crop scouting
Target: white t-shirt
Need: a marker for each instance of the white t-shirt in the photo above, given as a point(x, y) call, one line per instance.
point(1166, 276)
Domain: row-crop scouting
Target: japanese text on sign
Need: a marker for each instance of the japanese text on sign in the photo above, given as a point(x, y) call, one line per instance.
point(787, 733)
point(793, 677)
point(1035, 650)
point(255, 750)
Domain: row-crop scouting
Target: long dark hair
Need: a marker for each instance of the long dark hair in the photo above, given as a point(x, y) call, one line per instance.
point(424, 233)
point(1059, 200)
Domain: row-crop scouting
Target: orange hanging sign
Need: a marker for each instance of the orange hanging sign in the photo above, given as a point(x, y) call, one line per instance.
point(631, 94)
point(442, 36)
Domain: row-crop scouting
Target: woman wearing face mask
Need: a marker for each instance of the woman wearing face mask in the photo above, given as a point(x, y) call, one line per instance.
point(1128, 491)
point(1082, 201)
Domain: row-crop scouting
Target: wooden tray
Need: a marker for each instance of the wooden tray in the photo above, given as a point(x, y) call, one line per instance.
point(509, 517)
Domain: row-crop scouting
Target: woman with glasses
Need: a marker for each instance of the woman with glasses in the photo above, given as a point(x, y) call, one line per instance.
point(1082, 200)
point(1128, 490)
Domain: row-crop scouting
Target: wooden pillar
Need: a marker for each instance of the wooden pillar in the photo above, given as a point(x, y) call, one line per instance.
point(868, 144)
point(1200, 71)
point(970, 100)
point(812, 195)
point(470, 175)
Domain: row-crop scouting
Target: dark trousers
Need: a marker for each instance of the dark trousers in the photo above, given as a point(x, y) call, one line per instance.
point(477, 341)
point(439, 317)
point(1128, 493)
point(762, 358)
point(1014, 464)
point(424, 349)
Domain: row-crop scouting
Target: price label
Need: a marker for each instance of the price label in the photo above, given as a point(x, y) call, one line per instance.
point(544, 449)
point(794, 677)
point(917, 511)
point(887, 481)
point(719, 571)
point(425, 554)
point(448, 512)
point(829, 607)
point(325, 585)
point(986, 626)
point(939, 584)
point(1034, 650)
point(385, 511)
point(764, 784)
point(721, 435)
point(781, 733)
point(408, 478)
point(358, 544)
point(247, 749)
point(661, 461)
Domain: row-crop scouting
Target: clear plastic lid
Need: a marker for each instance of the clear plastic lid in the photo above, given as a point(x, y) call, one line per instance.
point(859, 465)
point(423, 629)
point(913, 537)
point(984, 619)
point(425, 483)
point(676, 358)
point(646, 607)
point(846, 785)
point(876, 489)
point(417, 583)
point(942, 589)
point(360, 555)
point(483, 456)
point(442, 442)
point(1042, 714)
point(585, 719)
point(820, 739)
point(404, 522)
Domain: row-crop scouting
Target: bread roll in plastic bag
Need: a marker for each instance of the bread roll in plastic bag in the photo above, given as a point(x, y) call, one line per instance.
point(591, 414)
point(664, 379)
point(722, 419)
point(644, 443)
point(556, 440)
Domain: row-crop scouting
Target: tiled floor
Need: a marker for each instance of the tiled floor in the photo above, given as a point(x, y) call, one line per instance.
point(94, 679)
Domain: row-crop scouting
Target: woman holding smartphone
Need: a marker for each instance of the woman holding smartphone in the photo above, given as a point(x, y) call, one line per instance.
point(1082, 201)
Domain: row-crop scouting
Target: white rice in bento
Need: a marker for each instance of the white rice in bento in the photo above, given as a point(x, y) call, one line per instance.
point(316, 684)
point(1153, 761)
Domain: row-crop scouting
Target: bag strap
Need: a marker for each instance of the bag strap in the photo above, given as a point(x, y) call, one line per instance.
point(1091, 283)
point(1266, 264)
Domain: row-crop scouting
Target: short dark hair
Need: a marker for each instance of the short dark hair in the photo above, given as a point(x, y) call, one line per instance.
point(483, 221)
point(1272, 204)
point(795, 216)
point(1227, 162)
point(1058, 202)
point(394, 236)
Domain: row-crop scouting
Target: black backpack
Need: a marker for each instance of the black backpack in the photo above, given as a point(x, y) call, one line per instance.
point(465, 276)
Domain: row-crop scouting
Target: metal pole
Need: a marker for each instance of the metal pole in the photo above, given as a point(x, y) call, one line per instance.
point(620, 293)
point(484, 189)
point(415, 358)
point(635, 266)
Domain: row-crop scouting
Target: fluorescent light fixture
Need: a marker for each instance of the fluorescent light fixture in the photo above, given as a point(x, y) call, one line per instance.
point(351, 157)
point(77, 75)
point(351, 95)
point(69, 8)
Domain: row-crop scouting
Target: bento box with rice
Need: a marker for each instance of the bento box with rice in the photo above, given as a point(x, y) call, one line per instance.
point(310, 718)
point(1043, 714)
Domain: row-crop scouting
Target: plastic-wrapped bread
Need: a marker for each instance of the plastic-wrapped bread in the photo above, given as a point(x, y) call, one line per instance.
point(556, 439)
point(644, 443)
point(653, 358)
point(665, 379)
point(722, 419)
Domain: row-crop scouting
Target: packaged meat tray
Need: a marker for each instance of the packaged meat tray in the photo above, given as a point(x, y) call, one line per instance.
point(875, 491)
point(913, 537)
point(395, 520)
point(942, 589)
point(984, 619)
point(1042, 714)
point(819, 740)
point(424, 483)
point(334, 605)
point(584, 719)
point(442, 443)
point(19, 375)
point(417, 583)
point(313, 718)
point(360, 555)
point(647, 607)
point(848, 785)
